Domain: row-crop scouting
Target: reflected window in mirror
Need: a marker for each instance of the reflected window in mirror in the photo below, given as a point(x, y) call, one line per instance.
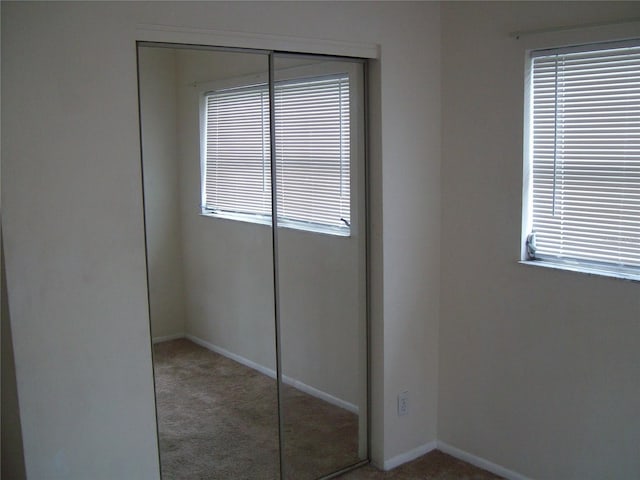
point(312, 153)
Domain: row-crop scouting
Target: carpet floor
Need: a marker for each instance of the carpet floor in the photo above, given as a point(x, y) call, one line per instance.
point(217, 419)
point(434, 465)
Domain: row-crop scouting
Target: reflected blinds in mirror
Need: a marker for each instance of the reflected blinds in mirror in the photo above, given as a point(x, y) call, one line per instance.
point(312, 157)
point(313, 149)
point(237, 175)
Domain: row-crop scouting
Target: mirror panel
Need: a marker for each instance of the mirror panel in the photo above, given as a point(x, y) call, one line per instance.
point(210, 271)
point(320, 178)
point(240, 391)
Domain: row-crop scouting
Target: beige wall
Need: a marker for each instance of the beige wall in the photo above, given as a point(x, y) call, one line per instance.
point(406, 235)
point(161, 175)
point(539, 368)
point(73, 218)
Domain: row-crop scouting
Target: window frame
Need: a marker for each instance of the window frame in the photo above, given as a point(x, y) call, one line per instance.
point(301, 73)
point(628, 272)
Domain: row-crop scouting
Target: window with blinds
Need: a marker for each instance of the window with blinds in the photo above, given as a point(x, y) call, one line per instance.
point(584, 156)
point(312, 126)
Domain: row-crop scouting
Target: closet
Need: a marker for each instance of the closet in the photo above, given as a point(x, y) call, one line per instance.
point(255, 218)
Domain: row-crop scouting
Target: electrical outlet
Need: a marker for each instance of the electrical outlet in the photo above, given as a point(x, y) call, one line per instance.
point(403, 403)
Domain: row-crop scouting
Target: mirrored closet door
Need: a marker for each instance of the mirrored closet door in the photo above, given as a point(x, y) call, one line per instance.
point(254, 197)
point(319, 153)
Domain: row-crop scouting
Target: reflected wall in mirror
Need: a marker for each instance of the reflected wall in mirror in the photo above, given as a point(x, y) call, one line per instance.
point(210, 286)
point(230, 403)
point(319, 158)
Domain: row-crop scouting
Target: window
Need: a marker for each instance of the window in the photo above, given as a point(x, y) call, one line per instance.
point(583, 175)
point(312, 125)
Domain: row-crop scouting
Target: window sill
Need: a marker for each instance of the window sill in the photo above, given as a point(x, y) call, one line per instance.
point(288, 224)
point(632, 277)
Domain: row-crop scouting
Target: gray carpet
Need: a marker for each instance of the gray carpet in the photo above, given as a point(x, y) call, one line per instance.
point(217, 419)
point(434, 465)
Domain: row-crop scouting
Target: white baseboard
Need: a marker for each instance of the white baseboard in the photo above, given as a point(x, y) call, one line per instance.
point(408, 456)
point(479, 462)
point(226, 353)
point(303, 387)
point(166, 338)
point(314, 392)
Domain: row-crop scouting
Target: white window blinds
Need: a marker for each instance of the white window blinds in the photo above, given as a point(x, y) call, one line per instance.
point(585, 155)
point(236, 176)
point(312, 152)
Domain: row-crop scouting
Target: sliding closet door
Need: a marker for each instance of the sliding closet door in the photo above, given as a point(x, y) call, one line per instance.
point(320, 204)
point(207, 191)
